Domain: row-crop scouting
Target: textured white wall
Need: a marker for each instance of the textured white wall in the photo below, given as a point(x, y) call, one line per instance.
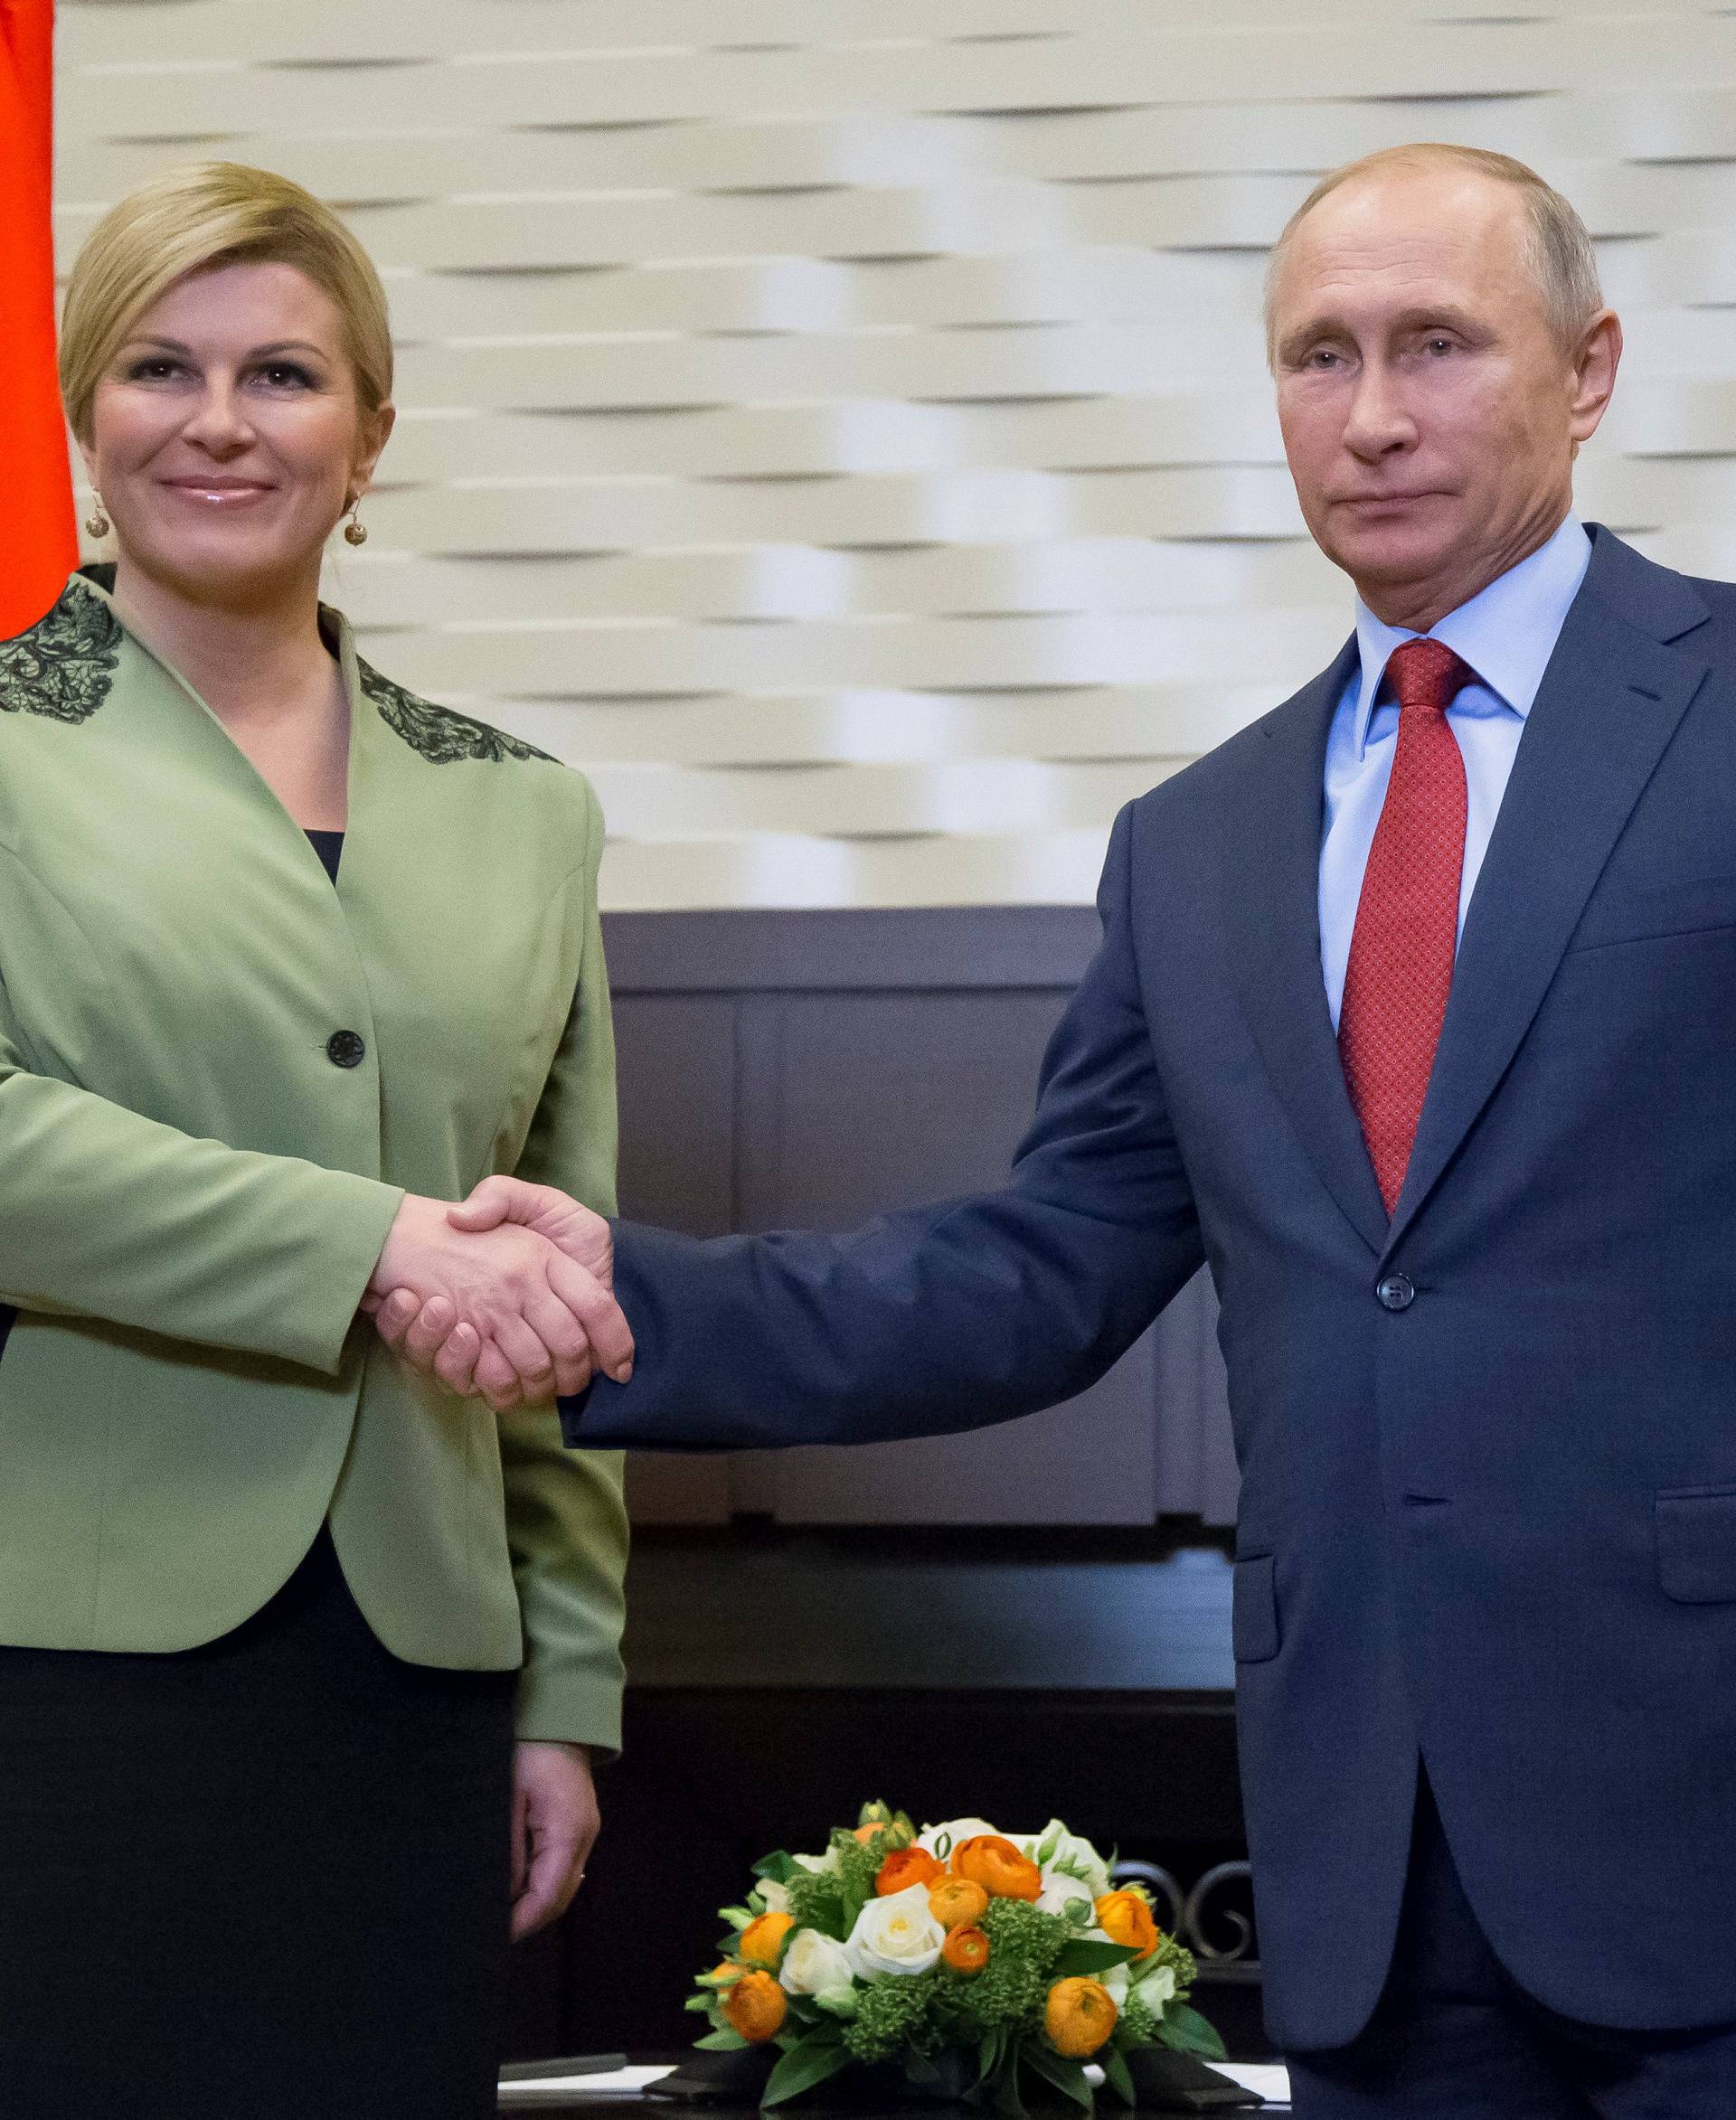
point(840, 425)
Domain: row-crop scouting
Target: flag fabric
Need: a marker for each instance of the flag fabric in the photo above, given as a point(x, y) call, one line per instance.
point(38, 540)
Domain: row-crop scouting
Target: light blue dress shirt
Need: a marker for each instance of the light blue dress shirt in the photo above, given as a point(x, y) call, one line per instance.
point(1507, 633)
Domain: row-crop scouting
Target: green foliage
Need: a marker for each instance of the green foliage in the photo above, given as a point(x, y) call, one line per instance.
point(726, 2041)
point(1068, 2077)
point(1189, 2033)
point(893, 2015)
point(1083, 1960)
point(777, 1869)
point(1170, 1953)
point(803, 2066)
point(816, 1902)
point(1024, 1945)
point(1118, 2076)
point(1138, 2026)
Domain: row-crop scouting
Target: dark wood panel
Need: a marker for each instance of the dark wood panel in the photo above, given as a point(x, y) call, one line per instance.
point(997, 947)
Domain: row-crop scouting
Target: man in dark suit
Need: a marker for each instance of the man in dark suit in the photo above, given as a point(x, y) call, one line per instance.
point(1415, 1018)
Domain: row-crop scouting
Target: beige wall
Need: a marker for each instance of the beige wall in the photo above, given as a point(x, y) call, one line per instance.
point(840, 425)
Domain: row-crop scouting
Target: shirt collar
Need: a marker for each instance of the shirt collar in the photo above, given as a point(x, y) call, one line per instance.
point(1507, 633)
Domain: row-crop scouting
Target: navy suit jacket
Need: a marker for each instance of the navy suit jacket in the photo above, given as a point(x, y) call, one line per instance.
point(1489, 1448)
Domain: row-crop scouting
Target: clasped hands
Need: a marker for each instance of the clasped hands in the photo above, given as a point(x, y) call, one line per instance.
point(506, 1296)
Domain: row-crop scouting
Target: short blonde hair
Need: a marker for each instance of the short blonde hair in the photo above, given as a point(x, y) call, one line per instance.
point(1561, 258)
point(196, 219)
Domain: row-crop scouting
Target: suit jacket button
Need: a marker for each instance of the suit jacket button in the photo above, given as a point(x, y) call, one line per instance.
point(1396, 1291)
point(345, 1049)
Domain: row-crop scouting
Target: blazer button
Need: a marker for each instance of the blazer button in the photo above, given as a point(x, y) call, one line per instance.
point(1396, 1291)
point(345, 1049)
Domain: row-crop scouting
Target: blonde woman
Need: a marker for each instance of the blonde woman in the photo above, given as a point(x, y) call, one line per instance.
point(304, 1652)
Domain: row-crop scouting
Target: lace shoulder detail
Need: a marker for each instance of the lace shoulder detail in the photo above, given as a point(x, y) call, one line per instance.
point(64, 667)
point(438, 732)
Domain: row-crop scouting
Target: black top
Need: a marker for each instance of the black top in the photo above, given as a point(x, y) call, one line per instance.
point(329, 847)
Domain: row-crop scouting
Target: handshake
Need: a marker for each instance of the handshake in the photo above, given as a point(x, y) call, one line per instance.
point(507, 1297)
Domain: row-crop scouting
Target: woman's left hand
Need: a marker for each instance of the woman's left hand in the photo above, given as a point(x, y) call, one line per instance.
point(555, 1822)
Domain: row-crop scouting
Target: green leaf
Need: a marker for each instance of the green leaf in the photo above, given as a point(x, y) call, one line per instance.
point(1007, 2100)
point(738, 1918)
point(728, 2042)
point(1118, 2077)
point(1045, 1854)
point(803, 2067)
point(1068, 2077)
point(1189, 2033)
point(988, 2054)
point(775, 1869)
point(1084, 1959)
point(701, 2003)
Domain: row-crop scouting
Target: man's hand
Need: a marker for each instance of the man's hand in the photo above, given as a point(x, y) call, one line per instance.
point(555, 1820)
point(585, 1237)
point(498, 1309)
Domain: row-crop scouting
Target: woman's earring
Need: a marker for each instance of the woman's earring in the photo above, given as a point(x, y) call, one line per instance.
point(355, 532)
point(96, 524)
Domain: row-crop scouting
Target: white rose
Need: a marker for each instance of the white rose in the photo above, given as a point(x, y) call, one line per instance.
point(1072, 1862)
point(1157, 1988)
point(821, 1865)
point(815, 1965)
point(773, 1897)
point(1115, 1981)
point(955, 1834)
point(895, 1935)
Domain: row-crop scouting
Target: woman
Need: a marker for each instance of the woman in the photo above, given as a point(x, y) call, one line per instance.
point(288, 959)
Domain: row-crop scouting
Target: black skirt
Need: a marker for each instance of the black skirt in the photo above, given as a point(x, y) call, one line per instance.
point(270, 1878)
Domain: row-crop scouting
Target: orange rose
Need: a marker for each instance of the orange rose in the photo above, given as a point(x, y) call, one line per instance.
point(1125, 1918)
point(721, 1975)
point(1079, 2017)
point(998, 1867)
point(762, 1941)
point(965, 1950)
point(757, 2006)
point(956, 1903)
point(903, 1868)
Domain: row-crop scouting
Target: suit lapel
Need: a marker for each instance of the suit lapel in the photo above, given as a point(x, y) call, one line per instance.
point(1609, 704)
point(1271, 849)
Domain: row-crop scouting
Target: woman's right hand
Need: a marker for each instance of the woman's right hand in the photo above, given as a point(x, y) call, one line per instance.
point(508, 1289)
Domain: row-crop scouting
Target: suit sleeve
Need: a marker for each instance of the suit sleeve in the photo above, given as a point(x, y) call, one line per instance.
point(941, 1318)
point(106, 1213)
point(566, 1521)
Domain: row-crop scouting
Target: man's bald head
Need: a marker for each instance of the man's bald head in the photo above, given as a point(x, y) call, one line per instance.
point(1559, 248)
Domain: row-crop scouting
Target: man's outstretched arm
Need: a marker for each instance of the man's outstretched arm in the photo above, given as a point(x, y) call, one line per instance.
point(942, 1317)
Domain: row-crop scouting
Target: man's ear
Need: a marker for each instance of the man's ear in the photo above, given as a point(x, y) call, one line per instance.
point(1595, 360)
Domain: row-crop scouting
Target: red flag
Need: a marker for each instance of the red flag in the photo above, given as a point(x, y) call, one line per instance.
point(38, 541)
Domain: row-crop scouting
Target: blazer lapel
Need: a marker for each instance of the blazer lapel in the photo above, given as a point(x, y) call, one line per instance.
point(1609, 704)
point(1272, 848)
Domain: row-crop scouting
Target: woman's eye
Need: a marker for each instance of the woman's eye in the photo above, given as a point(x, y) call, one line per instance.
point(156, 368)
point(286, 375)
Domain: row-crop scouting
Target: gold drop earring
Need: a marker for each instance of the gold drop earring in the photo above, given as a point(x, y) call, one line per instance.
point(96, 524)
point(355, 532)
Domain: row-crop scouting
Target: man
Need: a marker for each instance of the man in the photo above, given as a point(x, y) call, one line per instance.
point(1415, 1016)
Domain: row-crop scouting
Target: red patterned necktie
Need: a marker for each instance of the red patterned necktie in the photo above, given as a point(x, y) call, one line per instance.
point(1402, 948)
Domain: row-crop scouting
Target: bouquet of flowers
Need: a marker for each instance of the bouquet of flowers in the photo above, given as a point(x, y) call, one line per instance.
point(979, 1964)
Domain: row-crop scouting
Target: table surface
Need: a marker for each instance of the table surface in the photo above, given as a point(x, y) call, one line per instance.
point(596, 2106)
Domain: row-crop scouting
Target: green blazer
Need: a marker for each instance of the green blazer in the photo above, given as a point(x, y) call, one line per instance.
point(218, 1076)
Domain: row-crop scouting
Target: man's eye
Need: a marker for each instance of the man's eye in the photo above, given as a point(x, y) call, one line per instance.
point(1322, 357)
point(1439, 344)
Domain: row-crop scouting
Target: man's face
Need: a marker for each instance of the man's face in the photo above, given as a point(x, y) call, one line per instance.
point(1430, 414)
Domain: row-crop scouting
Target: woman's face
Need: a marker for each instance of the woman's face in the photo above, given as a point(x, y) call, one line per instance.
point(226, 438)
